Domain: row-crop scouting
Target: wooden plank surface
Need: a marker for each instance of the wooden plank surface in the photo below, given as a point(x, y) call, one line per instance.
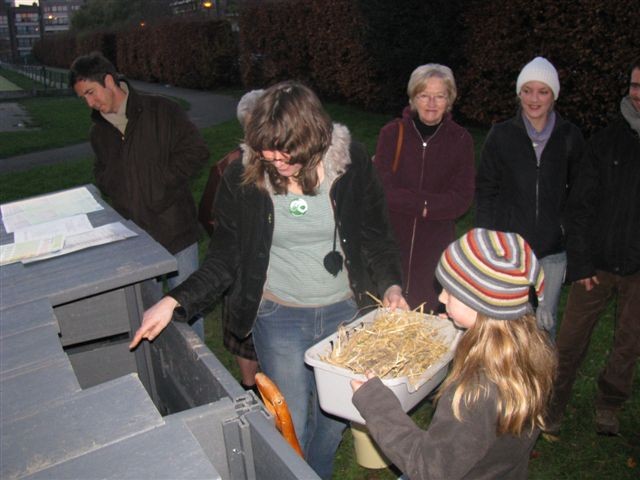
point(102, 362)
point(98, 316)
point(86, 272)
point(191, 374)
point(26, 392)
point(29, 349)
point(168, 452)
point(69, 428)
point(26, 317)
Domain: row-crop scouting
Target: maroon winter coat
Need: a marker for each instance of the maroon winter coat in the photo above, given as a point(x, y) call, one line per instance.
point(438, 174)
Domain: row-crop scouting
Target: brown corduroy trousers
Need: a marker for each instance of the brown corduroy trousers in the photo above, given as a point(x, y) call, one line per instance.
point(581, 314)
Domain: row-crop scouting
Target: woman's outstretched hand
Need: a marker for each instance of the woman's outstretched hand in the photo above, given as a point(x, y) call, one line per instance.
point(155, 320)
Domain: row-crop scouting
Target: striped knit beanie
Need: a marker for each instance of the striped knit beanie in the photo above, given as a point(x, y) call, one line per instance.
point(491, 272)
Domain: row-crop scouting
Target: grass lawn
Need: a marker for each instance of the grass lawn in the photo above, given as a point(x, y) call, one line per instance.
point(20, 80)
point(7, 86)
point(581, 454)
point(56, 121)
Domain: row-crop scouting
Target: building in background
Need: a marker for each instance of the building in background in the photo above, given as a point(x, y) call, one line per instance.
point(56, 14)
point(23, 25)
point(25, 28)
point(5, 36)
point(212, 8)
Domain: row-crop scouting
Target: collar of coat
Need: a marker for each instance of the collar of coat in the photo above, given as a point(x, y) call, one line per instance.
point(134, 104)
point(519, 122)
point(335, 161)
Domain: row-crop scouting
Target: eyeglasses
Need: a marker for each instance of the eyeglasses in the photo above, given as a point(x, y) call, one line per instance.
point(271, 161)
point(424, 98)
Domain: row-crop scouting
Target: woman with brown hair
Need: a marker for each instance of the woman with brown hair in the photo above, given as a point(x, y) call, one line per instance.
point(302, 234)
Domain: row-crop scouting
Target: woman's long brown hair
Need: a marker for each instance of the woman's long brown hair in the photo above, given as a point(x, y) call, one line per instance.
point(288, 118)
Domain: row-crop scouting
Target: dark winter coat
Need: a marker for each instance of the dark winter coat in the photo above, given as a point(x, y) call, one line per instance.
point(238, 256)
point(438, 174)
point(515, 194)
point(604, 207)
point(146, 172)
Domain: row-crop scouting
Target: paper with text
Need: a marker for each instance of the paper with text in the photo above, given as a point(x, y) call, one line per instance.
point(16, 252)
point(33, 211)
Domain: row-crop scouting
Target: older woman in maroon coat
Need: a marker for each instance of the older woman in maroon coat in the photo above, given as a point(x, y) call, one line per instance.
point(426, 163)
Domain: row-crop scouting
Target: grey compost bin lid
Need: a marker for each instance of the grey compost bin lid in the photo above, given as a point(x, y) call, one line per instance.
point(75, 403)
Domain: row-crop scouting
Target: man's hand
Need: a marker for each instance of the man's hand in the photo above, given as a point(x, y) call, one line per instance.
point(154, 321)
point(393, 299)
point(589, 282)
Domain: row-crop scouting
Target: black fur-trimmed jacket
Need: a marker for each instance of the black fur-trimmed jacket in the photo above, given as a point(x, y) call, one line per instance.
point(238, 256)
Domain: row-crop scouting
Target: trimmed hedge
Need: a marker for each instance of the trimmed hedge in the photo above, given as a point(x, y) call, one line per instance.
point(57, 50)
point(590, 42)
point(362, 52)
point(192, 54)
point(273, 42)
point(102, 41)
point(189, 54)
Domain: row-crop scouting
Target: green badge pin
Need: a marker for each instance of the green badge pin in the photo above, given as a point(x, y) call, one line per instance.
point(298, 207)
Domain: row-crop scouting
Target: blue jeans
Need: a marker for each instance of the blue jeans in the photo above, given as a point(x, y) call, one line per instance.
point(554, 267)
point(281, 336)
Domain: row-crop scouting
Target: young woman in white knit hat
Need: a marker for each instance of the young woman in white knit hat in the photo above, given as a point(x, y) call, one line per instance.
point(490, 409)
point(527, 167)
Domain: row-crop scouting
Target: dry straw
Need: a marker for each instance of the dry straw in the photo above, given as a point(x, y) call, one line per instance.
point(396, 344)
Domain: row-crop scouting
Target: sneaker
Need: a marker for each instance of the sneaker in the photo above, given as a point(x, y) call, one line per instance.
point(607, 422)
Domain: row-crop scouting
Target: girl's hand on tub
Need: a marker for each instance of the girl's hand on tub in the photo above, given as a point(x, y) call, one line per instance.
point(356, 384)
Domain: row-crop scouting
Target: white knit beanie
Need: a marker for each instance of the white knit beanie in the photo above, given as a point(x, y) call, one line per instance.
point(539, 70)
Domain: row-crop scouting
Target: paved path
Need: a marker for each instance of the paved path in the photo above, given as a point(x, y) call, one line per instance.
point(207, 109)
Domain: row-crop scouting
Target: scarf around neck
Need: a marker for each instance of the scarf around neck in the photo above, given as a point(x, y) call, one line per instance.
point(539, 139)
point(630, 114)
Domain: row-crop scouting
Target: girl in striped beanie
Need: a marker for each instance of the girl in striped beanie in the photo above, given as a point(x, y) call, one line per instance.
point(491, 406)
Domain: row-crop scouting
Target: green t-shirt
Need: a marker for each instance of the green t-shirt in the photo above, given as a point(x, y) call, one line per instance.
point(302, 237)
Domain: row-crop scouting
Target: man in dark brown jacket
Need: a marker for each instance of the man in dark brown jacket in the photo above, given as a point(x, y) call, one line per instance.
point(146, 151)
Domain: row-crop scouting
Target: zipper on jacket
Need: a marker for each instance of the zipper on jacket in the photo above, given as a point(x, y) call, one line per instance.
point(425, 144)
point(537, 193)
point(271, 221)
point(538, 163)
point(338, 226)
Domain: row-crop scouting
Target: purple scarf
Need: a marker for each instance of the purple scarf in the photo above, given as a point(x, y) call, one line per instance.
point(539, 139)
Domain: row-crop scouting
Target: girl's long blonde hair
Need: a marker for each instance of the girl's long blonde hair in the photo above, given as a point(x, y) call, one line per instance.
point(515, 356)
